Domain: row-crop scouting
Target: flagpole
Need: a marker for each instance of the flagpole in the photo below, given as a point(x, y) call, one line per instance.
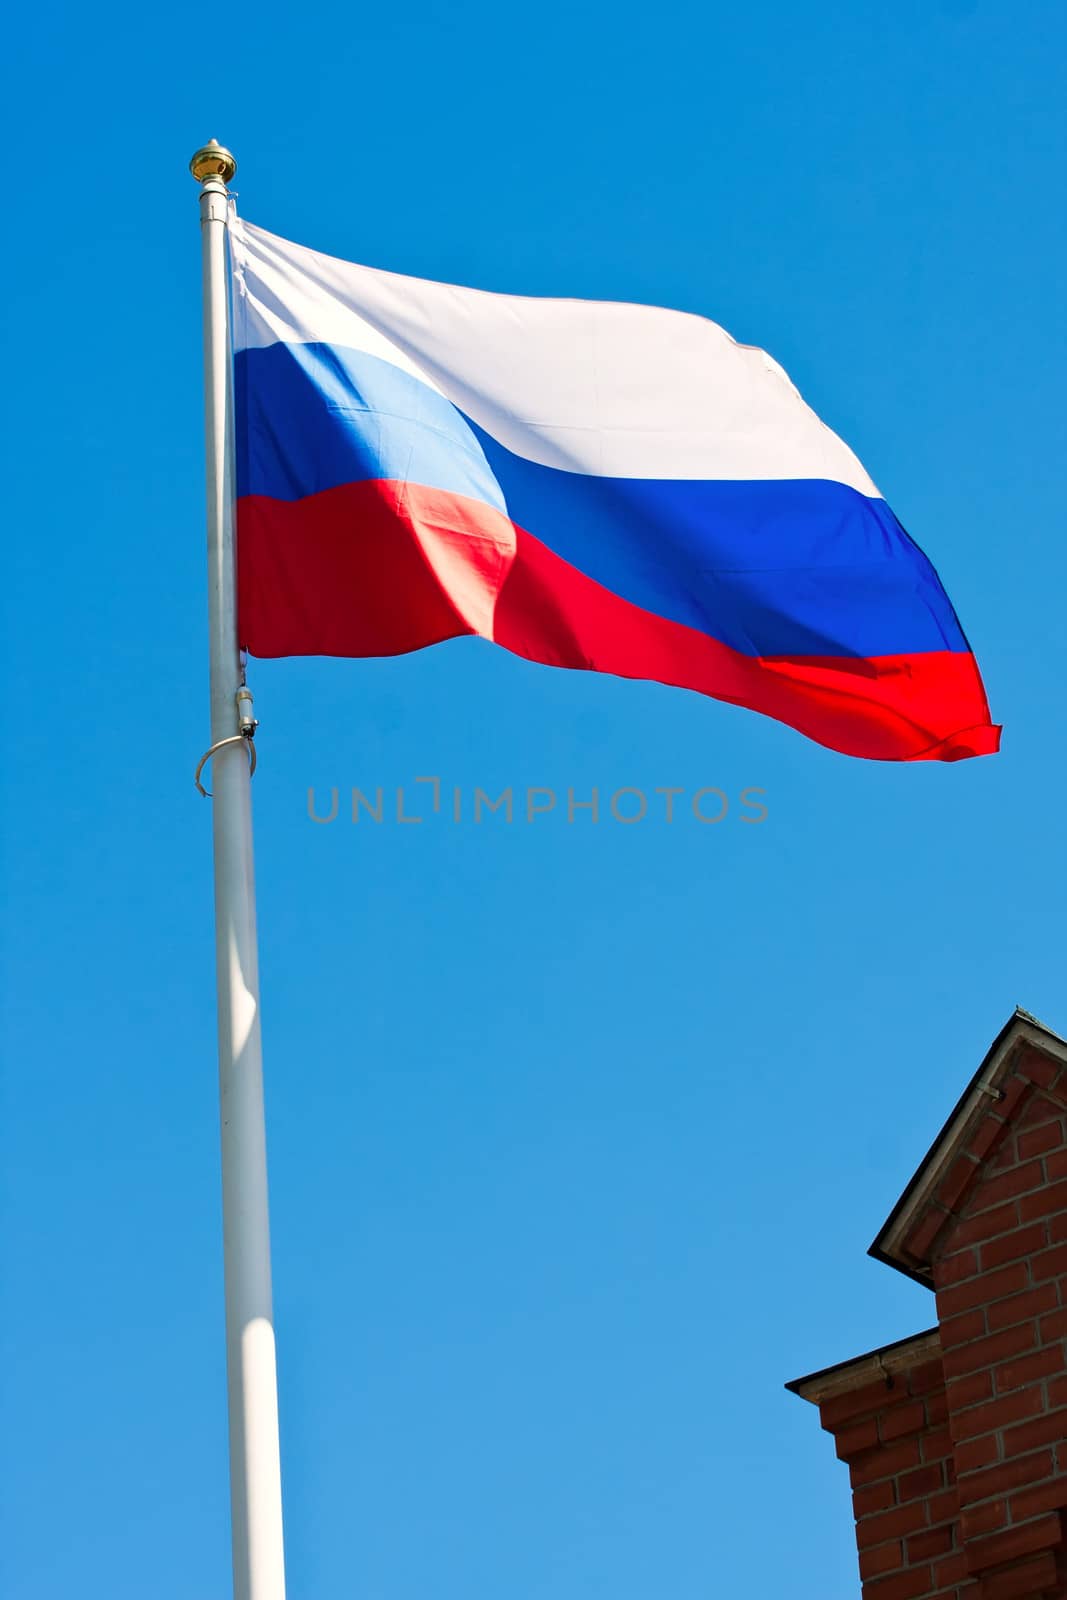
point(255, 1469)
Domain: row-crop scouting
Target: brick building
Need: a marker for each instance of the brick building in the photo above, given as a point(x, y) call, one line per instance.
point(956, 1439)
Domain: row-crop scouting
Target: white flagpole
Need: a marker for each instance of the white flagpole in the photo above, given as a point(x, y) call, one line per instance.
point(255, 1469)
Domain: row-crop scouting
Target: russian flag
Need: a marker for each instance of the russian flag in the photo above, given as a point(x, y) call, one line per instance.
point(612, 487)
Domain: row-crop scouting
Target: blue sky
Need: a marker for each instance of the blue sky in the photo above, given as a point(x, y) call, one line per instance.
point(578, 1134)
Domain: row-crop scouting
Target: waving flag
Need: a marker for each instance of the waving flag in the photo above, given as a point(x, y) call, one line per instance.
point(612, 487)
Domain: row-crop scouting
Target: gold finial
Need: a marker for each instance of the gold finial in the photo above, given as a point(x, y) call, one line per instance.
point(213, 161)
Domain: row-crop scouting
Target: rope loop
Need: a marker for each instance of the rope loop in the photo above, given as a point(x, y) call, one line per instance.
point(220, 744)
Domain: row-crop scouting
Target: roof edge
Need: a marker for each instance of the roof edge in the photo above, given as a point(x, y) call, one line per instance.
point(900, 1356)
point(1021, 1027)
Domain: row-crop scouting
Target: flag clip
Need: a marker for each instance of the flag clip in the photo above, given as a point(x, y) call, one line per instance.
point(248, 725)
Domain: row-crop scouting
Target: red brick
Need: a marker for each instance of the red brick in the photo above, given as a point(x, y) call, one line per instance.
point(986, 1225)
point(1039, 1069)
point(943, 1507)
point(986, 1352)
point(981, 1291)
point(1052, 1198)
point(960, 1330)
point(1035, 1141)
point(937, 1444)
point(1057, 1390)
point(968, 1391)
point(1029, 1369)
point(1034, 1578)
point(1000, 1413)
point(854, 1440)
point(1039, 1497)
point(1023, 1540)
point(1054, 1326)
point(902, 1586)
point(1019, 1307)
point(1014, 1246)
point(1049, 1264)
point(985, 1517)
point(1057, 1228)
point(936, 1408)
point(957, 1267)
point(931, 1542)
point(904, 1420)
point(1014, 1090)
point(883, 1558)
point(1048, 1429)
point(921, 1483)
point(951, 1572)
point(974, 1453)
point(860, 1402)
point(874, 1497)
point(891, 1524)
point(922, 1379)
point(1039, 1108)
point(1056, 1165)
point(1006, 1185)
point(884, 1463)
point(986, 1136)
point(1005, 1475)
point(956, 1180)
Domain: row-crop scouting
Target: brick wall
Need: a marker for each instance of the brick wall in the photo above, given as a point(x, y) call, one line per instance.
point(956, 1440)
point(893, 1434)
point(1000, 1272)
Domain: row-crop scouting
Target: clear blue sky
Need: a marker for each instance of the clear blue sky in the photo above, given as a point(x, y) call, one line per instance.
point(578, 1135)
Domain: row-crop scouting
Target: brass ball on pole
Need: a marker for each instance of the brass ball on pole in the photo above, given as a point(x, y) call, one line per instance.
point(213, 160)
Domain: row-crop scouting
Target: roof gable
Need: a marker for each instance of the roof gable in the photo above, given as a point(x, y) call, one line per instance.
point(1025, 1059)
